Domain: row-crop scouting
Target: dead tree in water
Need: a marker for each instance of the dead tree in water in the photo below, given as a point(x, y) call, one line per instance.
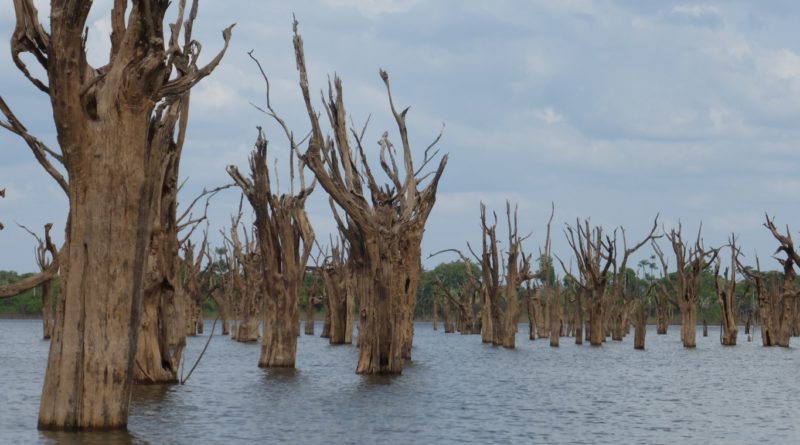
point(640, 312)
point(390, 224)
point(621, 297)
point(663, 301)
point(243, 282)
point(503, 297)
point(725, 286)
point(337, 287)
point(284, 239)
point(556, 315)
point(595, 257)
point(111, 122)
point(539, 311)
point(789, 293)
point(768, 304)
point(691, 261)
point(312, 292)
point(43, 248)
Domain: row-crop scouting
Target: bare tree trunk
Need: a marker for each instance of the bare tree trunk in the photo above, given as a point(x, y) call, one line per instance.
point(555, 316)
point(448, 318)
point(387, 228)
point(435, 314)
point(640, 329)
point(326, 323)
point(726, 295)
point(309, 327)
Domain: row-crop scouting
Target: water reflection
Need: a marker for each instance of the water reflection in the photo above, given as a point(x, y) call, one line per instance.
point(456, 390)
point(155, 397)
point(93, 438)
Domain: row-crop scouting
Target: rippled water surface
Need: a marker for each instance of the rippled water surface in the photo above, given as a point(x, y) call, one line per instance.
point(457, 390)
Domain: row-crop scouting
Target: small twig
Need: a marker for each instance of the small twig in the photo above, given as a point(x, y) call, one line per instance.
point(183, 380)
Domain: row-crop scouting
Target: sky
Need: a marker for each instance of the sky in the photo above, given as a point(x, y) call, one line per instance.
point(613, 110)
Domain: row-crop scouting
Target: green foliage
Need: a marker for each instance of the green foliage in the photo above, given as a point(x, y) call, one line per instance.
point(452, 274)
point(28, 303)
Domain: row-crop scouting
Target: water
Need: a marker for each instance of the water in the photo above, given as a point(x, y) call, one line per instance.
point(457, 390)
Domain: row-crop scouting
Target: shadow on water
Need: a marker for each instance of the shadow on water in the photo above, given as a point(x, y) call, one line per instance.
point(154, 397)
point(281, 375)
point(91, 438)
point(378, 380)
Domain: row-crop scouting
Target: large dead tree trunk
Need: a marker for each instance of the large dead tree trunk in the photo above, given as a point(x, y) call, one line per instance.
point(390, 224)
point(726, 295)
point(285, 238)
point(110, 123)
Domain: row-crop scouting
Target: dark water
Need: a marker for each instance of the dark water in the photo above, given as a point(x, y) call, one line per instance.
point(457, 390)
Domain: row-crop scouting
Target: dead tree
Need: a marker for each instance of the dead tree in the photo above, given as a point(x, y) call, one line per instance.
point(546, 278)
point(168, 314)
point(285, 239)
point(691, 261)
point(767, 304)
point(111, 122)
point(640, 312)
point(789, 292)
point(245, 277)
point(663, 302)
point(464, 303)
point(336, 277)
point(313, 290)
point(390, 224)
point(43, 249)
point(621, 298)
point(725, 287)
point(502, 297)
point(556, 315)
point(449, 323)
point(595, 256)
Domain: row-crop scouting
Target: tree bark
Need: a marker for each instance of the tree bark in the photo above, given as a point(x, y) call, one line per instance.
point(387, 229)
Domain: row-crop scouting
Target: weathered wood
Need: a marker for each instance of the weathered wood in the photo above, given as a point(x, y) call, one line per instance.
point(725, 286)
point(388, 228)
point(691, 261)
point(783, 321)
point(285, 239)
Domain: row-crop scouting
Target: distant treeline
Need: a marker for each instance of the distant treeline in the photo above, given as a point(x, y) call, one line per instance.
point(452, 275)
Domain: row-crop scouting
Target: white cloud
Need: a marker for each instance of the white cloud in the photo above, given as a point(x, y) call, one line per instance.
point(373, 8)
point(549, 116)
point(783, 64)
point(696, 10)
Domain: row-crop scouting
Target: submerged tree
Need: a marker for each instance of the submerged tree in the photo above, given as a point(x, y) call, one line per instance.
point(111, 122)
point(389, 224)
point(501, 287)
point(46, 254)
point(691, 261)
point(284, 239)
point(725, 286)
point(789, 293)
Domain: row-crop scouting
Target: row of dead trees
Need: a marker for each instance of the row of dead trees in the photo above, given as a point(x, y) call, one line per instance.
point(131, 287)
point(604, 299)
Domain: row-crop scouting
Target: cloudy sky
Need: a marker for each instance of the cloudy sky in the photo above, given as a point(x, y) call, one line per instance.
point(614, 110)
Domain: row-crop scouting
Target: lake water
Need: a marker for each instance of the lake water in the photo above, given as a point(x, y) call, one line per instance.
point(457, 390)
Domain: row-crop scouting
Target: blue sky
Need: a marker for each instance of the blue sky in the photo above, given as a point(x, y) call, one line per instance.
point(614, 110)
